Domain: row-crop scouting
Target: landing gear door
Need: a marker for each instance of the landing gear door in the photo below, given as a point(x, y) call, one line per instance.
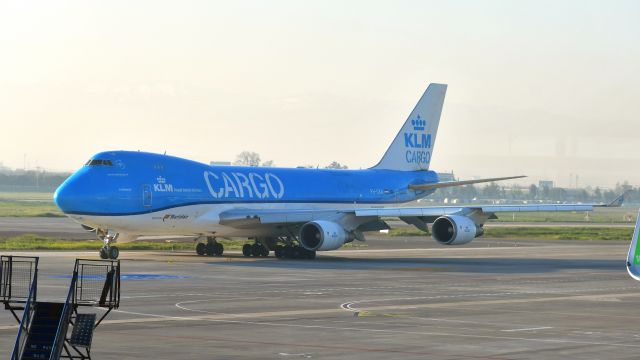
point(146, 195)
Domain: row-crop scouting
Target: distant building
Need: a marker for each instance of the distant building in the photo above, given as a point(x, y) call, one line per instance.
point(446, 177)
point(220, 163)
point(548, 184)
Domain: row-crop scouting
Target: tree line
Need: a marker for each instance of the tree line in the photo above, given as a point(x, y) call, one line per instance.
point(31, 180)
point(496, 191)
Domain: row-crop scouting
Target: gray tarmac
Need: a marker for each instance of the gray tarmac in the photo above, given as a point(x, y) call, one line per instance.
point(490, 300)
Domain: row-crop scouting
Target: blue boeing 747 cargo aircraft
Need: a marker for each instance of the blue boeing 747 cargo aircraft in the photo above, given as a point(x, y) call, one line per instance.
point(122, 195)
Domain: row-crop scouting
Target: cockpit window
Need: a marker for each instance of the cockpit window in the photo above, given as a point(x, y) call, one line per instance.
point(99, 162)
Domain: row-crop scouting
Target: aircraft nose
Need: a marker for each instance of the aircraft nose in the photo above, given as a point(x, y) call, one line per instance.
point(66, 194)
point(61, 196)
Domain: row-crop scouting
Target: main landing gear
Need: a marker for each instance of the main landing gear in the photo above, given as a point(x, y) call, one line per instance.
point(108, 251)
point(256, 249)
point(211, 248)
point(290, 250)
point(294, 252)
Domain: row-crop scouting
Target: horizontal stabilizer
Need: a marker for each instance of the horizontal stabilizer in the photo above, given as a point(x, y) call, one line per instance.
point(617, 202)
point(422, 187)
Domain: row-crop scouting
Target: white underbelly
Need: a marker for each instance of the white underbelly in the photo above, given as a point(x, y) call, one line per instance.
point(201, 219)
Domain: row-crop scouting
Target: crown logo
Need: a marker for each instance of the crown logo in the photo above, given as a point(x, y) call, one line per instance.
point(418, 123)
point(161, 180)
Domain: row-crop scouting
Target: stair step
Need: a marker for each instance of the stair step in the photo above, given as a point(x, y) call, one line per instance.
point(44, 334)
point(42, 327)
point(46, 325)
point(38, 348)
point(46, 320)
point(38, 344)
point(36, 355)
point(41, 336)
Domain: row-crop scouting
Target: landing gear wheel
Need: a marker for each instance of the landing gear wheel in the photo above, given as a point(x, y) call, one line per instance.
point(256, 250)
point(265, 251)
point(103, 253)
point(288, 252)
point(210, 249)
point(219, 249)
point(113, 252)
point(246, 250)
point(307, 254)
point(279, 251)
point(201, 249)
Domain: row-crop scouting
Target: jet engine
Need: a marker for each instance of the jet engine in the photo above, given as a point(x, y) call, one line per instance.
point(321, 235)
point(455, 230)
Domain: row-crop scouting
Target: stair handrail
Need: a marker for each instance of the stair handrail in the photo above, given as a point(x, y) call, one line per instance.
point(25, 323)
point(63, 323)
point(6, 274)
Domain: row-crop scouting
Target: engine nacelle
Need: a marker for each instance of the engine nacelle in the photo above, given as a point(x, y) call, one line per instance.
point(323, 235)
point(455, 230)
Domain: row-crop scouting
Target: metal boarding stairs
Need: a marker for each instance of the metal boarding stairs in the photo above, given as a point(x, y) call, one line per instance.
point(45, 326)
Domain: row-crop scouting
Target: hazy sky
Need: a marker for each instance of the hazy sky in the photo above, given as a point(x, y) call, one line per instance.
point(549, 89)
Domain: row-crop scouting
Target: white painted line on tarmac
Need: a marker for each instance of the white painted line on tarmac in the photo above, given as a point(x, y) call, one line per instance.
point(347, 306)
point(529, 329)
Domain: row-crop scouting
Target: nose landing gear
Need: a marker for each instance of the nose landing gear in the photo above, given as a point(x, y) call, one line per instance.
point(108, 251)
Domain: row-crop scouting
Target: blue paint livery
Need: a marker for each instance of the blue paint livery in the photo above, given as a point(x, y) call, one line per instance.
point(139, 183)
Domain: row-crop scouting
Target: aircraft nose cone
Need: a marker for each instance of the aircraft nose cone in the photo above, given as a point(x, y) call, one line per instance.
point(61, 197)
point(66, 196)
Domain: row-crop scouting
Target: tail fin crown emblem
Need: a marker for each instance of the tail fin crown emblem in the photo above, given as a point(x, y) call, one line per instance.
point(418, 123)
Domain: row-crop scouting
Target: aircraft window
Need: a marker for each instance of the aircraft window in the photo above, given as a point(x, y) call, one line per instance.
point(99, 162)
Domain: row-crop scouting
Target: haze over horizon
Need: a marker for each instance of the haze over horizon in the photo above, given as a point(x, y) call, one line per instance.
point(542, 88)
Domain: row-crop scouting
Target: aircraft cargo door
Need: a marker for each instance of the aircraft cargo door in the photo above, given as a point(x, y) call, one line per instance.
point(146, 195)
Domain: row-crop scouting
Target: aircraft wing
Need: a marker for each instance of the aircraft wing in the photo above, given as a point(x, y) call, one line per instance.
point(487, 209)
point(418, 216)
point(633, 257)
